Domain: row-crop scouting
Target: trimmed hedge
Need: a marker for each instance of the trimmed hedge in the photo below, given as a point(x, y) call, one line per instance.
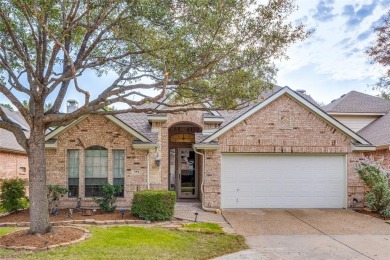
point(154, 204)
point(13, 195)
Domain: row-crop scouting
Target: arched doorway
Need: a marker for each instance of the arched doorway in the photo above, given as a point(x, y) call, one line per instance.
point(183, 172)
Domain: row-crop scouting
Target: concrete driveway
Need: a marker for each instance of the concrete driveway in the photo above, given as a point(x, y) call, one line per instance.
point(310, 234)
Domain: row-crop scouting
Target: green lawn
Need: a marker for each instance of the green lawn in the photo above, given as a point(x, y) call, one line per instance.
point(203, 227)
point(139, 243)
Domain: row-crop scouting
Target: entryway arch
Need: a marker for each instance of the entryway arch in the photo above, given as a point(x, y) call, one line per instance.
point(183, 170)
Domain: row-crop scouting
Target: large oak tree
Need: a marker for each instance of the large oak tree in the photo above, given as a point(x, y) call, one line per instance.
point(201, 50)
point(380, 53)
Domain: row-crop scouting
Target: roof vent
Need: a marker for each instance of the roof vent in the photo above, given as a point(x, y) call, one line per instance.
point(333, 100)
point(71, 106)
point(343, 95)
point(301, 91)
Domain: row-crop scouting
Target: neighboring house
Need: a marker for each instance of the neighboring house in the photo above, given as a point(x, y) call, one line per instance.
point(282, 152)
point(369, 117)
point(13, 158)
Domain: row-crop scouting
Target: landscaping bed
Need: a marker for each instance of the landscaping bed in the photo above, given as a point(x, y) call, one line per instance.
point(58, 235)
point(24, 216)
point(371, 213)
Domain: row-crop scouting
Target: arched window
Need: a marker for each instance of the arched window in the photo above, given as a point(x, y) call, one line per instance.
point(96, 170)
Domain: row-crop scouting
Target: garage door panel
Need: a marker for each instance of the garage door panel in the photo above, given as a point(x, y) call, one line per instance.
point(229, 188)
point(275, 202)
point(245, 175)
point(229, 202)
point(244, 202)
point(259, 190)
point(278, 181)
point(259, 202)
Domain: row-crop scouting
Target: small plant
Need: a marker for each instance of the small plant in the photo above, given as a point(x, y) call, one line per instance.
point(13, 194)
point(54, 194)
point(107, 203)
point(154, 204)
point(376, 180)
point(385, 213)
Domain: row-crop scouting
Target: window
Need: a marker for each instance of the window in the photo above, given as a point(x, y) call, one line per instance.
point(96, 170)
point(73, 173)
point(119, 167)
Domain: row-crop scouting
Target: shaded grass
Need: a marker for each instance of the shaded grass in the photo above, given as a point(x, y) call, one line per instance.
point(203, 227)
point(2, 210)
point(140, 243)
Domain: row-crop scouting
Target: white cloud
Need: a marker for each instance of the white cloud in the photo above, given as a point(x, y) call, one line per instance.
point(329, 58)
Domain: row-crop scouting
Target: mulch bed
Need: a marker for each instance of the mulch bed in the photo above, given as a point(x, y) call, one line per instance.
point(24, 216)
point(57, 235)
point(370, 213)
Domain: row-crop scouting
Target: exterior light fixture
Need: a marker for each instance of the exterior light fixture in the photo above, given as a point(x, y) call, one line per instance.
point(157, 161)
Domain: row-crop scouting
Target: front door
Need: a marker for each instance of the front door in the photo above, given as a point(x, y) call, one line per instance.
point(186, 173)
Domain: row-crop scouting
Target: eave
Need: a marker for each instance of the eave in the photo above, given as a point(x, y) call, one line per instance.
point(362, 148)
point(205, 146)
point(144, 146)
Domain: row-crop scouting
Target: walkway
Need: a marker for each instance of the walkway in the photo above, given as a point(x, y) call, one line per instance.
point(187, 210)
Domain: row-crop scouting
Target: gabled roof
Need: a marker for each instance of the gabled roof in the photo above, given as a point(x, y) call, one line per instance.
point(378, 132)
point(356, 102)
point(114, 119)
point(300, 99)
point(7, 139)
point(139, 122)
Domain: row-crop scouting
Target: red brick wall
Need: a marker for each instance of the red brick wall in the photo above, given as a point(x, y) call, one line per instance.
point(98, 130)
point(10, 166)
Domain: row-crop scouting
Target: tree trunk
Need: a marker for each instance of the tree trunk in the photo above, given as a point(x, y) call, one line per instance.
point(39, 212)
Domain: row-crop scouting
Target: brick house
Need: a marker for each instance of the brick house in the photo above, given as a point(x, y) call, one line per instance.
point(13, 158)
point(283, 152)
point(369, 117)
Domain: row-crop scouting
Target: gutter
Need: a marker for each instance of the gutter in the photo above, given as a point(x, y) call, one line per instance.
point(148, 171)
point(202, 184)
point(383, 147)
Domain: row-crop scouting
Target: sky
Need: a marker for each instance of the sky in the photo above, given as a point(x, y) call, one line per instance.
point(332, 61)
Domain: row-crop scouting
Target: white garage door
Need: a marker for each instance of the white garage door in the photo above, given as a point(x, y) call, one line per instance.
point(280, 181)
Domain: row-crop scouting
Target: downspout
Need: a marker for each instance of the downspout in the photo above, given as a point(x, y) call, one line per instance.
point(202, 184)
point(148, 172)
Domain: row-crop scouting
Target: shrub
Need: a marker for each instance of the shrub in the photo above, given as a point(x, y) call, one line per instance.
point(54, 194)
point(376, 180)
point(107, 203)
point(154, 204)
point(13, 194)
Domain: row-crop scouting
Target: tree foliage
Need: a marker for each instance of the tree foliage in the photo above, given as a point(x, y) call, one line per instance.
point(198, 50)
point(380, 52)
point(377, 182)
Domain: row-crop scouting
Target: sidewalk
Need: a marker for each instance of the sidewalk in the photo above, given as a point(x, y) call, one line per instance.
point(187, 210)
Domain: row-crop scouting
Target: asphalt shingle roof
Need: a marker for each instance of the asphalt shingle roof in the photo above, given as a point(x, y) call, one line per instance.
point(378, 132)
point(356, 102)
point(139, 122)
point(7, 138)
